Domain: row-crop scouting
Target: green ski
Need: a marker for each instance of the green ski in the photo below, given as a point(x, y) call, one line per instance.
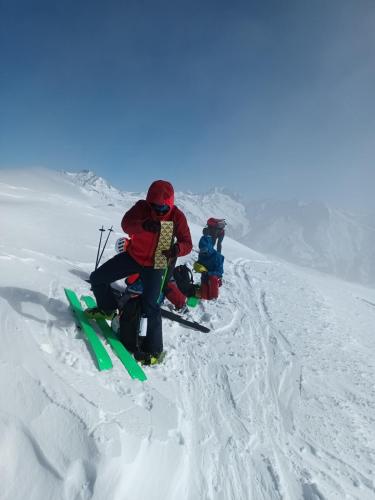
point(133, 368)
point(101, 355)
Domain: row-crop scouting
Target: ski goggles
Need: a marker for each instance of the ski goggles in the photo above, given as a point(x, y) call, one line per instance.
point(160, 209)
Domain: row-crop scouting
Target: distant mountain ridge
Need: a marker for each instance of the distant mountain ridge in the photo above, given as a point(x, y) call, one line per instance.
point(95, 185)
point(315, 235)
point(308, 234)
point(197, 207)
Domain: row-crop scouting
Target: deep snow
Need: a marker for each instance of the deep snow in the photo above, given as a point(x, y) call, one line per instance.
point(276, 402)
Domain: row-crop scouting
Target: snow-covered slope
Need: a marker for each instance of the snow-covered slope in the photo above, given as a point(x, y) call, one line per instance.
point(316, 236)
point(308, 234)
point(99, 190)
point(216, 203)
point(276, 402)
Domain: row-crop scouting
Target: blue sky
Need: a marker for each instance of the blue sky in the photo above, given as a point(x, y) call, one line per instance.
point(267, 98)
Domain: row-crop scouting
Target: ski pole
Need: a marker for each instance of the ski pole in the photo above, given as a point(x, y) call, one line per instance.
point(161, 294)
point(166, 276)
point(105, 244)
point(100, 243)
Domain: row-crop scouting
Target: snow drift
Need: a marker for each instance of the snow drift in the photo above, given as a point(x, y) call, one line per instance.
point(276, 402)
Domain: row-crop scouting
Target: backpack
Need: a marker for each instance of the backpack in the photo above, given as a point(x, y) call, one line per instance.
point(184, 280)
point(215, 228)
point(174, 295)
point(216, 223)
point(210, 287)
point(130, 317)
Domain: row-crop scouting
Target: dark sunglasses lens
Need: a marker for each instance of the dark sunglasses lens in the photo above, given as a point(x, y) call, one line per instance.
point(162, 209)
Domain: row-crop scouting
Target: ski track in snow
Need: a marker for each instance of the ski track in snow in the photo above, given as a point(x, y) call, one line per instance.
point(276, 402)
point(261, 390)
point(235, 408)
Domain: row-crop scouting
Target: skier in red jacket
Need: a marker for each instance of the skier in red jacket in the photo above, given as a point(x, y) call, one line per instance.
point(143, 224)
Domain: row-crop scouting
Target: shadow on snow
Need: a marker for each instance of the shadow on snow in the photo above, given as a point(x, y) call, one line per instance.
point(17, 297)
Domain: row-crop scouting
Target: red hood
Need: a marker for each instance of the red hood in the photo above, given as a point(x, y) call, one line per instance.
point(161, 193)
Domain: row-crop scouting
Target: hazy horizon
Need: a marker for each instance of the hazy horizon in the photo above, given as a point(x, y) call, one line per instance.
point(235, 195)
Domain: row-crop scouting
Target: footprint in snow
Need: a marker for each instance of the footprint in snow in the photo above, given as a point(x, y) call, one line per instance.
point(145, 400)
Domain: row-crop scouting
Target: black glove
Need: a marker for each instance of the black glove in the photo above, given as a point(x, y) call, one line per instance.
point(152, 226)
point(173, 252)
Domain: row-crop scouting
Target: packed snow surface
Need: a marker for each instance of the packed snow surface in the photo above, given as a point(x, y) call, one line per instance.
point(276, 402)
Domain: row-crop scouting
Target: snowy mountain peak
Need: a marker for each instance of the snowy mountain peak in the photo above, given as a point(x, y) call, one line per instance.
point(89, 180)
point(95, 186)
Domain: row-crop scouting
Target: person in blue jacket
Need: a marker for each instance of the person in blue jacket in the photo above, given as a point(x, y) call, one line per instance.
point(210, 258)
point(216, 229)
point(213, 261)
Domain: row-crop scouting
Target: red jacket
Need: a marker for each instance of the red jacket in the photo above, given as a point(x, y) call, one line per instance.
point(143, 243)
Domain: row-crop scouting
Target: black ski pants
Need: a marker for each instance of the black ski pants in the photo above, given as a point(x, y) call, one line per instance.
point(119, 267)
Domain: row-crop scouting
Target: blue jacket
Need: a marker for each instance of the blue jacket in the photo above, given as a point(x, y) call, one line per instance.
point(209, 257)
